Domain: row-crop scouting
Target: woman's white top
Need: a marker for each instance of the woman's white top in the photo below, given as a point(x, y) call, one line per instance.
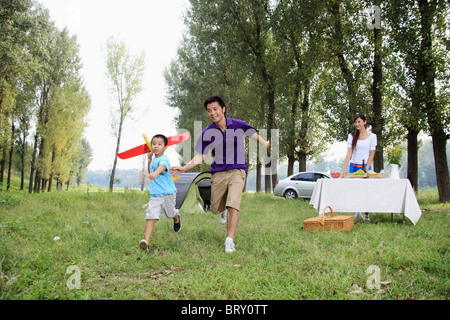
point(362, 148)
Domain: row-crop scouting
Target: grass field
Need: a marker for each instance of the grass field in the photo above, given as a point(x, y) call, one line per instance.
point(274, 259)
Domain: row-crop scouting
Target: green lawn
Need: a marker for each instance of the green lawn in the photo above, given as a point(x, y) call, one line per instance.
point(274, 259)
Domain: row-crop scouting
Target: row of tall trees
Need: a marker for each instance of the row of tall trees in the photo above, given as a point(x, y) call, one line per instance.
point(307, 67)
point(43, 101)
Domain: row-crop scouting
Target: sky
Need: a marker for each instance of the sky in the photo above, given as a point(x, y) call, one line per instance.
point(155, 27)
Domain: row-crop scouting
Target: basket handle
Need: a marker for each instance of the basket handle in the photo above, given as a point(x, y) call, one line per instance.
point(323, 214)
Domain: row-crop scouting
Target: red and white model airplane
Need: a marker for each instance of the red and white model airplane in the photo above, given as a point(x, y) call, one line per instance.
point(144, 148)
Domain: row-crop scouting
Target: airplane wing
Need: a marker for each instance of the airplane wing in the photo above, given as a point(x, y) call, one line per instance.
point(142, 149)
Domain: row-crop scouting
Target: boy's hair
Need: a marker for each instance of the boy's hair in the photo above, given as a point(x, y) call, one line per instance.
point(212, 99)
point(166, 142)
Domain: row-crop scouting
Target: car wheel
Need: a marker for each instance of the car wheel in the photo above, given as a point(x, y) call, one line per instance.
point(290, 194)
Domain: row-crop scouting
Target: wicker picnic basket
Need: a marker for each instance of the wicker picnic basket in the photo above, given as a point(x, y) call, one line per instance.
point(344, 223)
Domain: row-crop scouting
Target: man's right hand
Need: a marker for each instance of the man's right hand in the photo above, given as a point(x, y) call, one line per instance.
point(177, 169)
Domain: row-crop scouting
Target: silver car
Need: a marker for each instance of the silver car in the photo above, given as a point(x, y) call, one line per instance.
point(298, 185)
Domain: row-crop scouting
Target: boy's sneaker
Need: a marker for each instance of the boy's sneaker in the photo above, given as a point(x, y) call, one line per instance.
point(229, 246)
point(143, 245)
point(223, 217)
point(177, 225)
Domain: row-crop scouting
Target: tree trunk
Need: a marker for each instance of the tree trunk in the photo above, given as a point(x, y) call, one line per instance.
point(414, 130)
point(39, 174)
point(301, 161)
point(22, 172)
point(37, 181)
point(290, 169)
point(50, 182)
point(22, 164)
point(50, 179)
point(33, 163)
point(412, 174)
point(258, 176)
point(433, 111)
point(44, 184)
point(303, 142)
point(377, 107)
point(271, 174)
point(11, 153)
point(259, 172)
point(113, 171)
point(267, 180)
point(3, 163)
point(441, 165)
point(291, 142)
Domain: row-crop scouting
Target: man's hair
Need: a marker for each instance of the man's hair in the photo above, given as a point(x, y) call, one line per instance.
point(166, 142)
point(217, 99)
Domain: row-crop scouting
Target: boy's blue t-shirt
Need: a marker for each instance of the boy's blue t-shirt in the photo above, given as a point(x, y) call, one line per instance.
point(163, 184)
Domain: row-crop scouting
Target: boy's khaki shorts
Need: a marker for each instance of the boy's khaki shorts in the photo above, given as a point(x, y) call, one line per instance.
point(226, 190)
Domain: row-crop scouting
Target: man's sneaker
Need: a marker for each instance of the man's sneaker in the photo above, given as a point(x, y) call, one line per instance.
point(143, 245)
point(229, 247)
point(177, 225)
point(223, 217)
point(358, 215)
point(366, 218)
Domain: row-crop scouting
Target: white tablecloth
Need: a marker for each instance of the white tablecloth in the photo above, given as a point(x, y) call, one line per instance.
point(366, 195)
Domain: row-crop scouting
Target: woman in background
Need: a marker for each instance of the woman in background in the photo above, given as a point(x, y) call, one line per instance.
point(361, 145)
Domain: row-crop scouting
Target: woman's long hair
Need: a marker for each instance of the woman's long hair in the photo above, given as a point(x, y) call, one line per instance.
point(355, 134)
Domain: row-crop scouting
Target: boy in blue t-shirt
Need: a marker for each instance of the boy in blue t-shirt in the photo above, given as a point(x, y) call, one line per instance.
point(162, 190)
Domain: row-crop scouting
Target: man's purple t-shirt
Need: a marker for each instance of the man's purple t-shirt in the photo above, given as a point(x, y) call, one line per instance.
point(228, 148)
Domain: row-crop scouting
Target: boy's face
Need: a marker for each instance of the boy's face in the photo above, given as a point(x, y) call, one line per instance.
point(215, 112)
point(158, 146)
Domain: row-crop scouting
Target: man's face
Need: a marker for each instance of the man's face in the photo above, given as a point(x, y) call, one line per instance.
point(215, 112)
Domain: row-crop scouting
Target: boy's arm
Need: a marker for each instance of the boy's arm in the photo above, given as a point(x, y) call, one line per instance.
point(155, 173)
point(258, 138)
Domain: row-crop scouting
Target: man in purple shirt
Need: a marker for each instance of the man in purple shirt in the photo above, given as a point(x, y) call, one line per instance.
point(224, 137)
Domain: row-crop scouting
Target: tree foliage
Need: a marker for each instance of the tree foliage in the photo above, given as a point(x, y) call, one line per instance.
point(307, 67)
point(125, 73)
point(42, 96)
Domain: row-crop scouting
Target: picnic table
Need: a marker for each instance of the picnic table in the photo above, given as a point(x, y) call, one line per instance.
point(367, 195)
